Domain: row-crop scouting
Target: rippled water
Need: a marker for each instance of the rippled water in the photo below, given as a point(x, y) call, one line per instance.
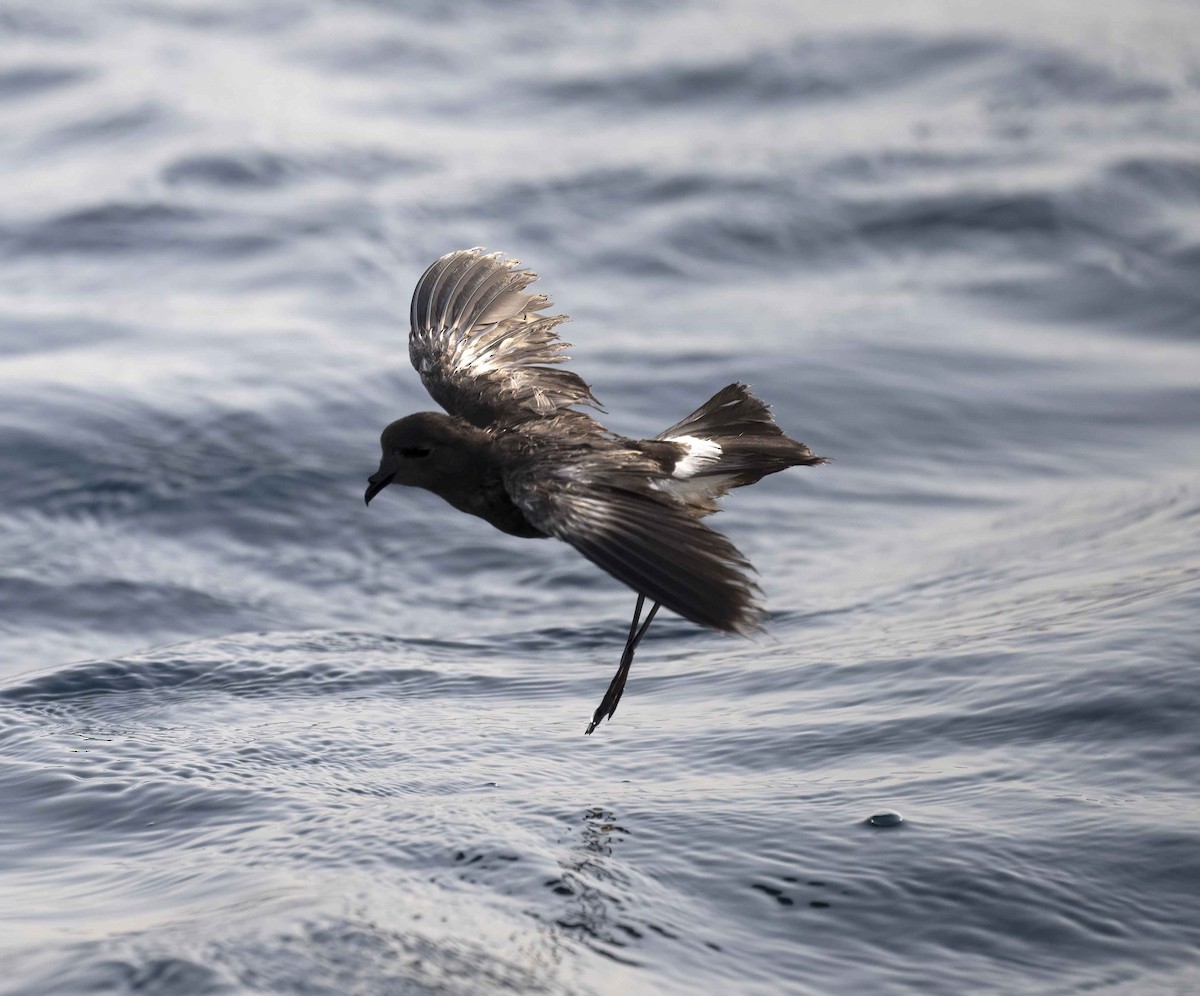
point(257, 738)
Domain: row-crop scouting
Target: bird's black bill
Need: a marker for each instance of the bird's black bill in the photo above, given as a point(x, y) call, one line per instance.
point(608, 705)
point(375, 485)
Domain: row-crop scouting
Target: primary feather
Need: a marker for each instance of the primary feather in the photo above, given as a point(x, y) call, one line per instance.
point(482, 345)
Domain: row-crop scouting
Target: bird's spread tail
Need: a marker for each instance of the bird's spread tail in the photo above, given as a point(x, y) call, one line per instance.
point(751, 444)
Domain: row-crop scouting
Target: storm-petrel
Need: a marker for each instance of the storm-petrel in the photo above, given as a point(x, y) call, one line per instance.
point(515, 451)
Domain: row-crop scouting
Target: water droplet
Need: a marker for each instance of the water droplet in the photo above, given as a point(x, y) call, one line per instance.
point(888, 818)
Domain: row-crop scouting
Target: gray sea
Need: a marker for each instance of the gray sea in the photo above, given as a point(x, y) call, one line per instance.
point(257, 738)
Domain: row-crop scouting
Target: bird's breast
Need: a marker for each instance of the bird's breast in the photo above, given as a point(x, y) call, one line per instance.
point(492, 503)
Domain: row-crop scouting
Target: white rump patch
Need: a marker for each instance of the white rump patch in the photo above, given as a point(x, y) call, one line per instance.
point(700, 453)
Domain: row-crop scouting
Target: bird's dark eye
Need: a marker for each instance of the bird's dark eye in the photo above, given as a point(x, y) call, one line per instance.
point(415, 452)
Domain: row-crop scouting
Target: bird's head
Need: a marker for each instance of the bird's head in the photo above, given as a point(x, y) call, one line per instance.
point(427, 450)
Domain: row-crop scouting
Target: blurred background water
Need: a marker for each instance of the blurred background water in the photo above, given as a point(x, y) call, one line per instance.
point(257, 738)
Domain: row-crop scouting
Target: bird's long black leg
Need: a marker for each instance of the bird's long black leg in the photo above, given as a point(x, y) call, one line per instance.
point(612, 696)
point(608, 705)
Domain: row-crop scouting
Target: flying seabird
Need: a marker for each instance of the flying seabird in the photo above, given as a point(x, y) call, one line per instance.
point(515, 450)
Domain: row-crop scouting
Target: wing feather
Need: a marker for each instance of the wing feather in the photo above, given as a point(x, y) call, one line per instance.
point(645, 540)
point(483, 347)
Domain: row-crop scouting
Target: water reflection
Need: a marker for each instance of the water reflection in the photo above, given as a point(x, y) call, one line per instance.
point(594, 888)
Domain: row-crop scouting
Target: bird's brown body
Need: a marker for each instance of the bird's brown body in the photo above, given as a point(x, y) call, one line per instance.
point(515, 451)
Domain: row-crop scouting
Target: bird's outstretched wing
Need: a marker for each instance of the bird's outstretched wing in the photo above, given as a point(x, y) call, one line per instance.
point(643, 538)
point(482, 346)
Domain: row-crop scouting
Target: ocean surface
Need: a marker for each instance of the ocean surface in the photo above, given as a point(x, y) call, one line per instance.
point(258, 738)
